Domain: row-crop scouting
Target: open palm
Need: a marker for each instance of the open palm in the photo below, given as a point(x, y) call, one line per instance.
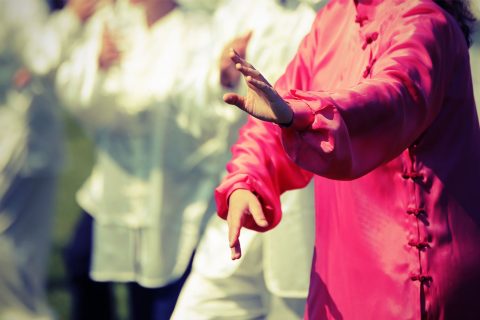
point(261, 100)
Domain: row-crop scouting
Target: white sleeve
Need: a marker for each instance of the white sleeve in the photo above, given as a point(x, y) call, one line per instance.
point(45, 47)
point(198, 92)
point(79, 80)
point(100, 98)
point(40, 38)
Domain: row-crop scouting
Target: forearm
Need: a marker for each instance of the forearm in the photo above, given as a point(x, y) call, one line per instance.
point(259, 164)
point(345, 133)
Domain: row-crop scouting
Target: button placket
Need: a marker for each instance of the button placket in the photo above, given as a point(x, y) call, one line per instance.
point(369, 68)
point(422, 278)
point(415, 176)
point(369, 39)
point(420, 245)
point(418, 211)
point(360, 19)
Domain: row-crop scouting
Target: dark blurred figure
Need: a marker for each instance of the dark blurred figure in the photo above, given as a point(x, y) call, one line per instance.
point(32, 43)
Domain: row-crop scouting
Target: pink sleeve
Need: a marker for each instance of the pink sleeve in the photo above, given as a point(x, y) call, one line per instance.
point(344, 134)
point(260, 164)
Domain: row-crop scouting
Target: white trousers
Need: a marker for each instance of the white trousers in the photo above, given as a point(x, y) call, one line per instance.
point(241, 295)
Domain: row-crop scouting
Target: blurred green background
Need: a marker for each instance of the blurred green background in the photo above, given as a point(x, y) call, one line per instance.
point(79, 163)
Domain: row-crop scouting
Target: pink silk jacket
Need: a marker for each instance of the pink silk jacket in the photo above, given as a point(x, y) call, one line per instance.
point(385, 122)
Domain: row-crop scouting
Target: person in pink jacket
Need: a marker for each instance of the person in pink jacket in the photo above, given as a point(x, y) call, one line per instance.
point(377, 106)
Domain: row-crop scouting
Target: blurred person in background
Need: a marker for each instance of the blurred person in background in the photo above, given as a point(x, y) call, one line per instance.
point(271, 280)
point(475, 55)
point(377, 107)
point(33, 42)
point(148, 193)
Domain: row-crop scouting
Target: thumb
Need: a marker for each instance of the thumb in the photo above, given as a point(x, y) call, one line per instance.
point(235, 100)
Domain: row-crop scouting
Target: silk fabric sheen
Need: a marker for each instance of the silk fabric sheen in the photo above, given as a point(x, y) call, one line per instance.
point(385, 121)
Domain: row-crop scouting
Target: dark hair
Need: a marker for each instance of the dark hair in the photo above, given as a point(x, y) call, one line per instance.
point(56, 4)
point(460, 10)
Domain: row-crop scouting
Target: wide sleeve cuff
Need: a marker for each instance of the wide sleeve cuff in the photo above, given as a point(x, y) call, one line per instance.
point(303, 115)
point(318, 142)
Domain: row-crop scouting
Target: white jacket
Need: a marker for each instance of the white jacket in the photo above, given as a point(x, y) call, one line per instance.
point(153, 178)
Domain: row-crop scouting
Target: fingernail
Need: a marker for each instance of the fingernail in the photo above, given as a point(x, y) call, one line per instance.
point(263, 223)
point(234, 254)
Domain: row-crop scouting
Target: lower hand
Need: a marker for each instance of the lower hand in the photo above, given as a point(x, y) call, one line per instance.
point(241, 204)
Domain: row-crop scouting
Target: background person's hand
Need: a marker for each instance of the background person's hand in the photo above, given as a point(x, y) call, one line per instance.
point(261, 100)
point(84, 9)
point(109, 53)
point(229, 75)
point(21, 78)
point(242, 203)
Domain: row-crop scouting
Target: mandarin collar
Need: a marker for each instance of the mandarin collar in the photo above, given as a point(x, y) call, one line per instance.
point(367, 7)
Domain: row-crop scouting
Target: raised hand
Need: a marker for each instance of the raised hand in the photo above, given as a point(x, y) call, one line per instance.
point(261, 100)
point(241, 204)
point(109, 53)
point(229, 76)
point(84, 9)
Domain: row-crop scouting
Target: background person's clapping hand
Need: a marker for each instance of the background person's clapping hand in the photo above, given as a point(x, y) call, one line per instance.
point(229, 75)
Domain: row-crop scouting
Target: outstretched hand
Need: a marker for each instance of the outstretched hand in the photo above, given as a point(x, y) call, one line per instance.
point(242, 203)
point(261, 100)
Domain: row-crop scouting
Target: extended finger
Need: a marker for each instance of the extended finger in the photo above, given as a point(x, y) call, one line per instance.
point(236, 251)
point(234, 222)
point(247, 71)
point(257, 213)
point(263, 86)
point(238, 59)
